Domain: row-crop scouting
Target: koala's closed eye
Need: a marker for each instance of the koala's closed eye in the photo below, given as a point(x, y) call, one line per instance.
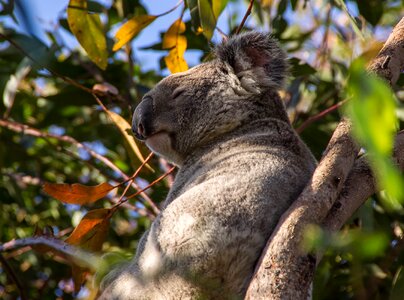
point(177, 92)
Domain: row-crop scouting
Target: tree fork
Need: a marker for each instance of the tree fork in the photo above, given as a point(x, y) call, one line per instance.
point(284, 270)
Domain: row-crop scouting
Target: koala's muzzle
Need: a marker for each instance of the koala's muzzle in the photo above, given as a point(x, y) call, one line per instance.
point(142, 122)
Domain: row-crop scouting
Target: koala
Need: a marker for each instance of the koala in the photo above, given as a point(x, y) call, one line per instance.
point(241, 165)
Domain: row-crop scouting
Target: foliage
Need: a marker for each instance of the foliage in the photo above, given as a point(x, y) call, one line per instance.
point(65, 123)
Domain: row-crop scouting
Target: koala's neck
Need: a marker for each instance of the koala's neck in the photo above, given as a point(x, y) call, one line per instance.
point(212, 158)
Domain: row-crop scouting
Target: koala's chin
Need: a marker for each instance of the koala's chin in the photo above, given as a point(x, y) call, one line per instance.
point(161, 144)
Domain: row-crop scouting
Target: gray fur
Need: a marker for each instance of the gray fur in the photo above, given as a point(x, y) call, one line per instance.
point(241, 165)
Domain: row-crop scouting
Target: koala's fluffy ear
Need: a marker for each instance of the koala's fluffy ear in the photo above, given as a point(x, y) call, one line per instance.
point(256, 59)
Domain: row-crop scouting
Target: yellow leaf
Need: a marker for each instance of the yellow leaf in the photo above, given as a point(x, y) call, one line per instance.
point(178, 44)
point(87, 28)
point(266, 3)
point(126, 130)
point(77, 193)
point(130, 29)
point(175, 62)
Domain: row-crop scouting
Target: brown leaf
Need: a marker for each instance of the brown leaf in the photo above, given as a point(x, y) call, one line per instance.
point(92, 230)
point(89, 234)
point(79, 277)
point(77, 193)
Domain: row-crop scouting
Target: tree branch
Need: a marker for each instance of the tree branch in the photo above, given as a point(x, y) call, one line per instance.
point(359, 186)
point(284, 270)
point(79, 256)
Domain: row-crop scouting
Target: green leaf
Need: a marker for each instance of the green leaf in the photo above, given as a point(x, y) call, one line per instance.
point(204, 15)
point(354, 23)
point(208, 20)
point(300, 69)
point(37, 51)
point(194, 11)
point(372, 109)
point(370, 245)
point(218, 6)
point(87, 28)
point(371, 10)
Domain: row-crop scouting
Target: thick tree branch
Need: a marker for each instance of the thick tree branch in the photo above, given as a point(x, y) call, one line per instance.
point(359, 186)
point(284, 270)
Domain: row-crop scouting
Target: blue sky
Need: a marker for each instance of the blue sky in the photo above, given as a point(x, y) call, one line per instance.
point(45, 14)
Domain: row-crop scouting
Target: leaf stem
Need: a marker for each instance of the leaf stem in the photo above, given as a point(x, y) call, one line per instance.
point(171, 9)
point(247, 13)
point(10, 272)
point(319, 116)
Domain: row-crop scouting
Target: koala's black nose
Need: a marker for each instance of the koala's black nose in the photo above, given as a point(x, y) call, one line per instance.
point(143, 119)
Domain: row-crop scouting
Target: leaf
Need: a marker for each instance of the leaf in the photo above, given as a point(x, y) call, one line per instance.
point(354, 23)
point(87, 28)
point(300, 68)
point(42, 56)
point(77, 193)
point(372, 109)
point(90, 234)
point(126, 129)
point(12, 84)
point(372, 10)
point(173, 40)
point(194, 11)
point(218, 6)
point(207, 17)
point(131, 29)
point(79, 275)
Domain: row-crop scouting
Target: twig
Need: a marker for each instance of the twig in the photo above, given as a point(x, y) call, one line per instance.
point(247, 13)
point(171, 9)
point(319, 116)
point(9, 270)
point(147, 187)
point(131, 180)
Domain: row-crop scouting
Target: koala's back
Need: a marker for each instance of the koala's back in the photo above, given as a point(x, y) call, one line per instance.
point(223, 206)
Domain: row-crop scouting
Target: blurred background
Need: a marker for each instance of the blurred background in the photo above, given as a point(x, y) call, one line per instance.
point(53, 130)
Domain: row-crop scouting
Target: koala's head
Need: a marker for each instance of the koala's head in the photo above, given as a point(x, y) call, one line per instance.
point(187, 110)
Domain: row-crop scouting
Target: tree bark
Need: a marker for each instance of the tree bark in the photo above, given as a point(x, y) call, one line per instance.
point(284, 270)
point(360, 185)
